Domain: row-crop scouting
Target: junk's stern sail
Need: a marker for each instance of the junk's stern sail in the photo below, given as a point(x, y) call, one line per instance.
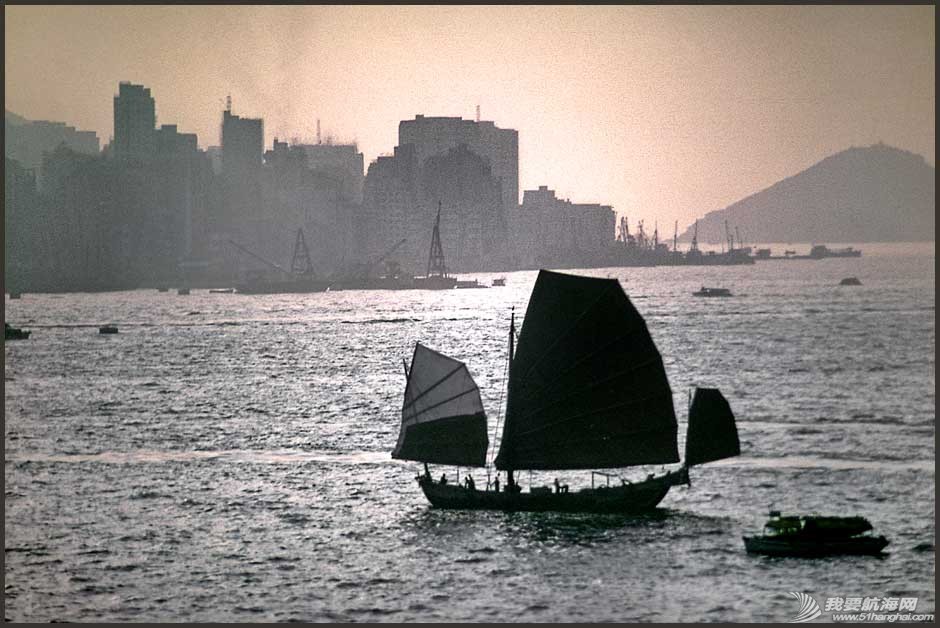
point(712, 433)
point(442, 419)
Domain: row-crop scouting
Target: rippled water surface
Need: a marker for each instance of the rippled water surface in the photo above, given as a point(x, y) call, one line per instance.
point(226, 457)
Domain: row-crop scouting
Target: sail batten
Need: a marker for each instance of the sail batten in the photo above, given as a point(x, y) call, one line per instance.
point(448, 400)
point(431, 388)
point(587, 386)
point(443, 420)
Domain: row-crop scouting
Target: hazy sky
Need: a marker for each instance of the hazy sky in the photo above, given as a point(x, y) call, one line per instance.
point(664, 112)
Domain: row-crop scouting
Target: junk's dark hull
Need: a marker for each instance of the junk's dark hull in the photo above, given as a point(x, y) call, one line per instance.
point(628, 499)
point(791, 546)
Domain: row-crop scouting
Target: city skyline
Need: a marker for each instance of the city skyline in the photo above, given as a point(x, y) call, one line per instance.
point(661, 112)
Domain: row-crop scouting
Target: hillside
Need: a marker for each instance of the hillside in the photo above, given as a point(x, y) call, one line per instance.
point(11, 118)
point(871, 194)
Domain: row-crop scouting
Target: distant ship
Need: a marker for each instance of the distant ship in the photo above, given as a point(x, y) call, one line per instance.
point(712, 292)
point(363, 279)
point(299, 279)
point(587, 390)
point(821, 251)
point(436, 277)
point(817, 252)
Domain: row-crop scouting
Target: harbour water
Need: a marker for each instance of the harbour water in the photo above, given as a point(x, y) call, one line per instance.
point(225, 457)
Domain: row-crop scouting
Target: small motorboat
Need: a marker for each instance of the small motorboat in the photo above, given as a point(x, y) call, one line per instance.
point(712, 292)
point(499, 281)
point(13, 333)
point(850, 281)
point(815, 535)
point(15, 295)
point(182, 291)
point(108, 329)
point(222, 290)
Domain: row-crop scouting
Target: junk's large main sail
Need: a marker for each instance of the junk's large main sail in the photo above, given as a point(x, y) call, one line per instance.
point(587, 387)
point(442, 419)
point(712, 433)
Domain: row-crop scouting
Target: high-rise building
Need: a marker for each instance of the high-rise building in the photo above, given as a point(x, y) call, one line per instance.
point(342, 162)
point(549, 231)
point(135, 120)
point(242, 155)
point(27, 140)
point(500, 147)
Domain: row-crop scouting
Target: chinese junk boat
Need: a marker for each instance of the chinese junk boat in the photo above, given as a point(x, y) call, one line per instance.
point(815, 536)
point(587, 390)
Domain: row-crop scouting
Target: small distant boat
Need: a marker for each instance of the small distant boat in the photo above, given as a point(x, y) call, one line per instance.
point(108, 329)
point(15, 295)
point(182, 291)
point(499, 281)
point(850, 281)
point(814, 535)
point(163, 289)
point(222, 290)
point(13, 333)
point(470, 283)
point(712, 292)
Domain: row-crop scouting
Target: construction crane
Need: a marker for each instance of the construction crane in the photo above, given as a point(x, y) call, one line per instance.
point(300, 263)
point(624, 230)
point(259, 258)
point(368, 268)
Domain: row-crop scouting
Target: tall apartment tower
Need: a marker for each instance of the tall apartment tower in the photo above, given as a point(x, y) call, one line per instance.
point(242, 158)
point(135, 120)
point(433, 136)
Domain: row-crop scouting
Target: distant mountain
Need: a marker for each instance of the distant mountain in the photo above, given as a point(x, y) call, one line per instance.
point(11, 118)
point(871, 194)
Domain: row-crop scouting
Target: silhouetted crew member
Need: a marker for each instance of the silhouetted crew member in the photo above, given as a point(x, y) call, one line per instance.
point(443, 478)
point(496, 483)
